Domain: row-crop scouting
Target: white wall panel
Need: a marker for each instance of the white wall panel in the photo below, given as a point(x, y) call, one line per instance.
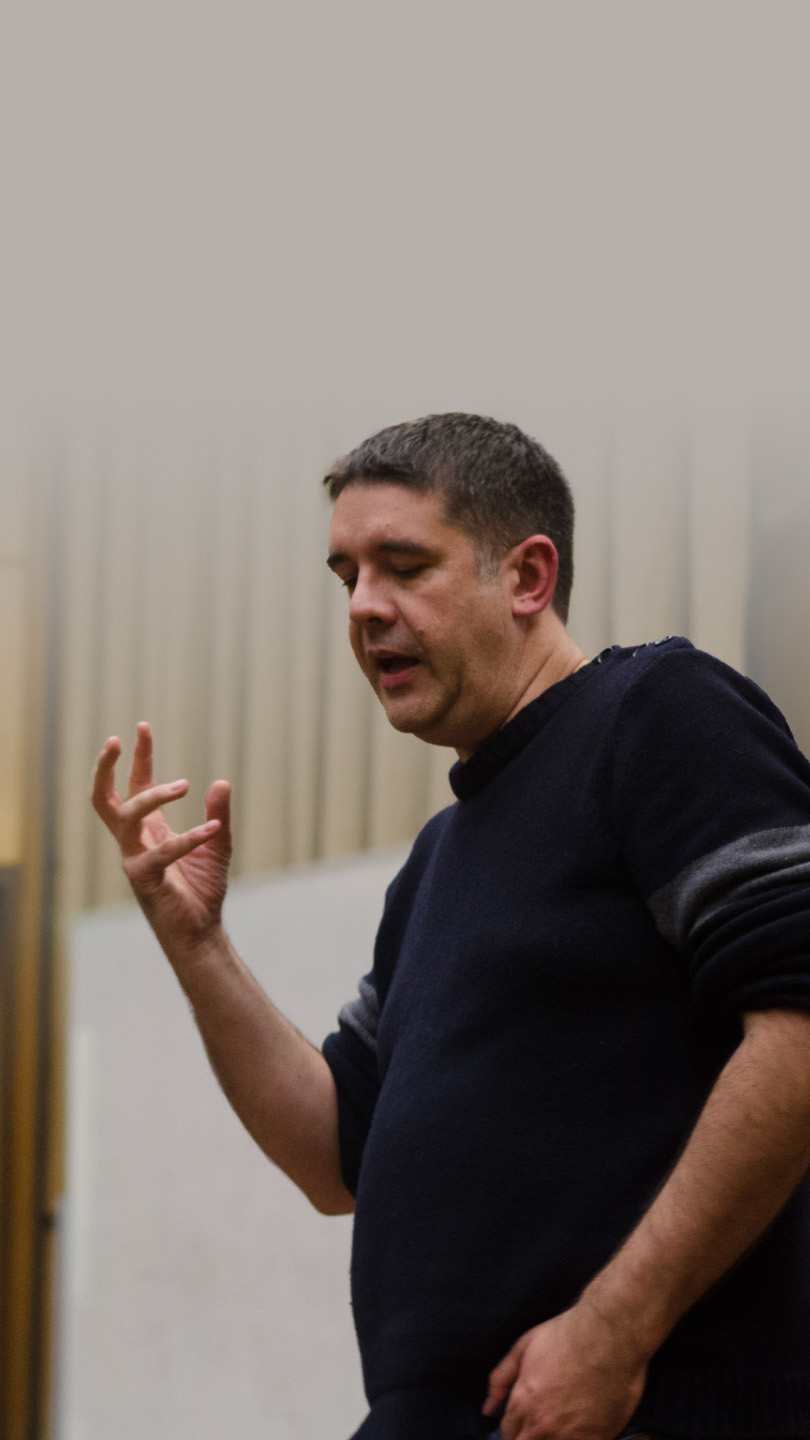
point(203, 1296)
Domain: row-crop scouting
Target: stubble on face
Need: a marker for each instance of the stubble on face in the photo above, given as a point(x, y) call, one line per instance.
point(430, 624)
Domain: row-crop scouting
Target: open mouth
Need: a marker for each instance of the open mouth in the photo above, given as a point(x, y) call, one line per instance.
point(395, 670)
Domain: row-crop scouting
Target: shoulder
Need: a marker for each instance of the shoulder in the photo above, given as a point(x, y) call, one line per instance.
point(670, 686)
point(700, 756)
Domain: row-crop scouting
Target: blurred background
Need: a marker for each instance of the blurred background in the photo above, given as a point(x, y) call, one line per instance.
point(235, 240)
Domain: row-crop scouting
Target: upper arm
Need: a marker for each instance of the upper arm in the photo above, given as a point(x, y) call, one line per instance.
point(711, 803)
point(351, 1054)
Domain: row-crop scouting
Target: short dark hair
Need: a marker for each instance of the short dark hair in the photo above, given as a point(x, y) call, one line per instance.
point(498, 485)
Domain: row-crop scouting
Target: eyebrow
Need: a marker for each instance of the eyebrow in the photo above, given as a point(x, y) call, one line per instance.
point(385, 547)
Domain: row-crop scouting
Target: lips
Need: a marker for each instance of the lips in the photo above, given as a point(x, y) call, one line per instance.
point(395, 667)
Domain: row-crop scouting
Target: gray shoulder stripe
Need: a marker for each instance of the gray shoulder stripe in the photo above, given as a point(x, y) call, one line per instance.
point(746, 867)
point(362, 1015)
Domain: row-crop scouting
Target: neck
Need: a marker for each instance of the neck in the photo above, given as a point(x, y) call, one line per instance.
point(557, 660)
point(558, 657)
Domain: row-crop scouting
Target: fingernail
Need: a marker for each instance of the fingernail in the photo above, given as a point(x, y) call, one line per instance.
point(178, 785)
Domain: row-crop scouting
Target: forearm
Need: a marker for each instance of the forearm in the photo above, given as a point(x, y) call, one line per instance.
point(584, 1371)
point(279, 1085)
point(747, 1152)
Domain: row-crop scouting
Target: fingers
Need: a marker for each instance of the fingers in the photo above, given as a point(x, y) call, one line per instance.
point(140, 776)
point(218, 807)
point(146, 869)
point(106, 800)
point(125, 817)
point(503, 1377)
point(133, 811)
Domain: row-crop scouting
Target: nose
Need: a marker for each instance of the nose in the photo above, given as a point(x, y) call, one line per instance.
point(371, 600)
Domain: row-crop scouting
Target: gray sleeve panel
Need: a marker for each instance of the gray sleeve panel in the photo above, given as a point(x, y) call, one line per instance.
point(362, 1015)
point(740, 871)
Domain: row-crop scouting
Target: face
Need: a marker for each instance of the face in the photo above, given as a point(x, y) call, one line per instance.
point(435, 637)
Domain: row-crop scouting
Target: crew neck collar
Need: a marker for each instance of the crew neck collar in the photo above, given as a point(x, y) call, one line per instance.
point(468, 777)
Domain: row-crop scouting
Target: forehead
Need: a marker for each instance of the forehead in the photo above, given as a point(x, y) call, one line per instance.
point(375, 513)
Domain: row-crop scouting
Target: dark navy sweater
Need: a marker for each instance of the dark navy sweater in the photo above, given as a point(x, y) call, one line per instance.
point(558, 978)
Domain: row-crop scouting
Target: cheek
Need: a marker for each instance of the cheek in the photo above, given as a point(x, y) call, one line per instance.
point(354, 641)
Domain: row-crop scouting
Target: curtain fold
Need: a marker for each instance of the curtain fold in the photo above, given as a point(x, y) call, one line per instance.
point(196, 596)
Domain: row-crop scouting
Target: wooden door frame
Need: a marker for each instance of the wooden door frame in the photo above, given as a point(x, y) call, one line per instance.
point(34, 1051)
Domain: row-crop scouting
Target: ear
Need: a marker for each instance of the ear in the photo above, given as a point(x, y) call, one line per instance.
point(533, 565)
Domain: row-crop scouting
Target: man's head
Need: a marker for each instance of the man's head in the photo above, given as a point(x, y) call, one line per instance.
point(451, 618)
point(496, 484)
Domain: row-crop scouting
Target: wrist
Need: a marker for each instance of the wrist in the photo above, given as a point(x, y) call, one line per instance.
point(631, 1316)
point(208, 950)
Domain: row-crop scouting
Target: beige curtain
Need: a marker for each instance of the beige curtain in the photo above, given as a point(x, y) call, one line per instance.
point(196, 595)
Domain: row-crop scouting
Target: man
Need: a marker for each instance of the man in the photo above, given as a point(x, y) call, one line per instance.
point(573, 1098)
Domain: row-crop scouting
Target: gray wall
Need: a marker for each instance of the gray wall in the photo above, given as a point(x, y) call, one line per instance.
point(201, 1295)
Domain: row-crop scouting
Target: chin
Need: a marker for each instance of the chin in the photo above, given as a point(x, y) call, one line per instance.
point(405, 724)
point(400, 719)
point(429, 732)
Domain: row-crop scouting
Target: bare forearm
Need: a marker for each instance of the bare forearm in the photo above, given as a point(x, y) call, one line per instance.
point(748, 1151)
point(279, 1085)
point(583, 1372)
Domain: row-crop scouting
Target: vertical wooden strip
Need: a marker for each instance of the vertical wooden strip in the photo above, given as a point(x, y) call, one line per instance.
point(10, 878)
point(20, 483)
point(26, 1381)
point(15, 519)
point(46, 575)
point(262, 803)
point(779, 608)
point(80, 832)
point(439, 794)
point(648, 542)
point(223, 694)
point(585, 465)
point(348, 706)
point(719, 548)
point(176, 608)
point(399, 783)
point(15, 545)
point(13, 667)
point(120, 645)
point(306, 613)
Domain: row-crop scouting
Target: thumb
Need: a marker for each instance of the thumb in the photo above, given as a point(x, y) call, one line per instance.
point(218, 807)
point(504, 1376)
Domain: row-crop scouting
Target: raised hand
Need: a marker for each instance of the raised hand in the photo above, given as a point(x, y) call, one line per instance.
point(179, 879)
